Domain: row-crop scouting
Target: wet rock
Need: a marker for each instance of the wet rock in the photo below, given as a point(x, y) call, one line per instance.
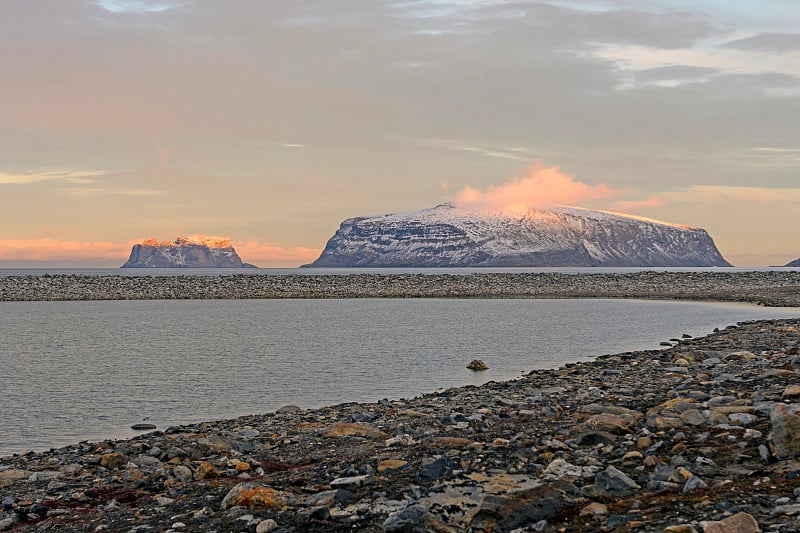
point(477, 365)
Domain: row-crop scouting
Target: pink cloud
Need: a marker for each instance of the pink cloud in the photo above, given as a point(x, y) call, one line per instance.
point(100, 253)
point(542, 187)
point(57, 250)
point(264, 254)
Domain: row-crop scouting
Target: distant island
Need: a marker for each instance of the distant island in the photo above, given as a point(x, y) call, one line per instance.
point(450, 236)
point(795, 263)
point(185, 252)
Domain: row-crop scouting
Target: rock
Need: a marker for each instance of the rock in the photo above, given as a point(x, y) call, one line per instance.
point(346, 429)
point(434, 470)
point(561, 469)
point(693, 417)
point(113, 460)
point(477, 365)
point(789, 509)
point(182, 473)
point(254, 496)
point(267, 526)
point(595, 509)
point(205, 470)
point(785, 431)
point(614, 483)
point(694, 483)
point(792, 391)
point(391, 464)
point(288, 409)
point(143, 427)
point(348, 483)
point(446, 442)
point(607, 422)
point(682, 528)
point(412, 519)
point(738, 523)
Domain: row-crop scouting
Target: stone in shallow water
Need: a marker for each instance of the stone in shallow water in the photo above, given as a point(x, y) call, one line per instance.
point(477, 365)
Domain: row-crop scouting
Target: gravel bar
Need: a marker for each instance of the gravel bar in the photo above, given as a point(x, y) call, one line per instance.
point(768, 288)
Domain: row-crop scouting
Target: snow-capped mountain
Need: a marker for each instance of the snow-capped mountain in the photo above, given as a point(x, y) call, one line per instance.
point(449, 236)
point(185, 252)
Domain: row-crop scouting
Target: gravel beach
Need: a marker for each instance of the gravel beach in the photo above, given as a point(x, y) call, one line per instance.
point(773, 288)
point(700, 436)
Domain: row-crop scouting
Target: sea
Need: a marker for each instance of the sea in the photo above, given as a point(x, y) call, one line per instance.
point(88, 370)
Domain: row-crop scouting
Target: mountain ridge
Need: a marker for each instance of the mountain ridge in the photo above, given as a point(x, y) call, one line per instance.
point(450, 236)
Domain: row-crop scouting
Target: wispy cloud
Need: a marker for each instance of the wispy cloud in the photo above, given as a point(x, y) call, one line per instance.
point(74, 176)
point(502, 152)
point(137, 6)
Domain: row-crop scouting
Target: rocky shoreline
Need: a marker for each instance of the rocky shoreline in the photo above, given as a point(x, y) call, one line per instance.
point(701, 436)
point(771, 288)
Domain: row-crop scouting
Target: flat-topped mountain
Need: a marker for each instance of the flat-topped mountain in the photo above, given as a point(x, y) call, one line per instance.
point(185, 252)
point(795, 263)
point(449, 236)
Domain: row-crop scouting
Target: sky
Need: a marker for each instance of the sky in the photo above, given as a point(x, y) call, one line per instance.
point(270, 122)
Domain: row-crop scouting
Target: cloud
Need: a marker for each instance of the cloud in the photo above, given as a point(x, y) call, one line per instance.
point(97, 253)
point(76, 176)
point(265, 254)
point(88, 252)
point(542, 187)
point(767, 42)
point(136, 6)
point(709, 193)
point(632, 206)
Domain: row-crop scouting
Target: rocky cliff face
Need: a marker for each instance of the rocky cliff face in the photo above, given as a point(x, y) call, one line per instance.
point(184, 252)
point(448, 236)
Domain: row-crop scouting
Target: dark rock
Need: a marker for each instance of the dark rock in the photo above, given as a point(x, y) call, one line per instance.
point(437, 469)
point(412, 519)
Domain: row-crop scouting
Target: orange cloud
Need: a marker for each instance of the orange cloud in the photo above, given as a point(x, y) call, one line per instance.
point(57, 250)
point(264, 254)
point(543, 187)
point(99, 253)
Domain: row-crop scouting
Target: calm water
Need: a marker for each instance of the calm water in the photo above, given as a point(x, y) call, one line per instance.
point(73, 371)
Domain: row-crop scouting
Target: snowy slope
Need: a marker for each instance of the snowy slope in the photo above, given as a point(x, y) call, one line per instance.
point(448, 236)
point(184, 252)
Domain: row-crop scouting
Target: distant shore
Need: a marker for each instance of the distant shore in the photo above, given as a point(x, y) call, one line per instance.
point(768, 288)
